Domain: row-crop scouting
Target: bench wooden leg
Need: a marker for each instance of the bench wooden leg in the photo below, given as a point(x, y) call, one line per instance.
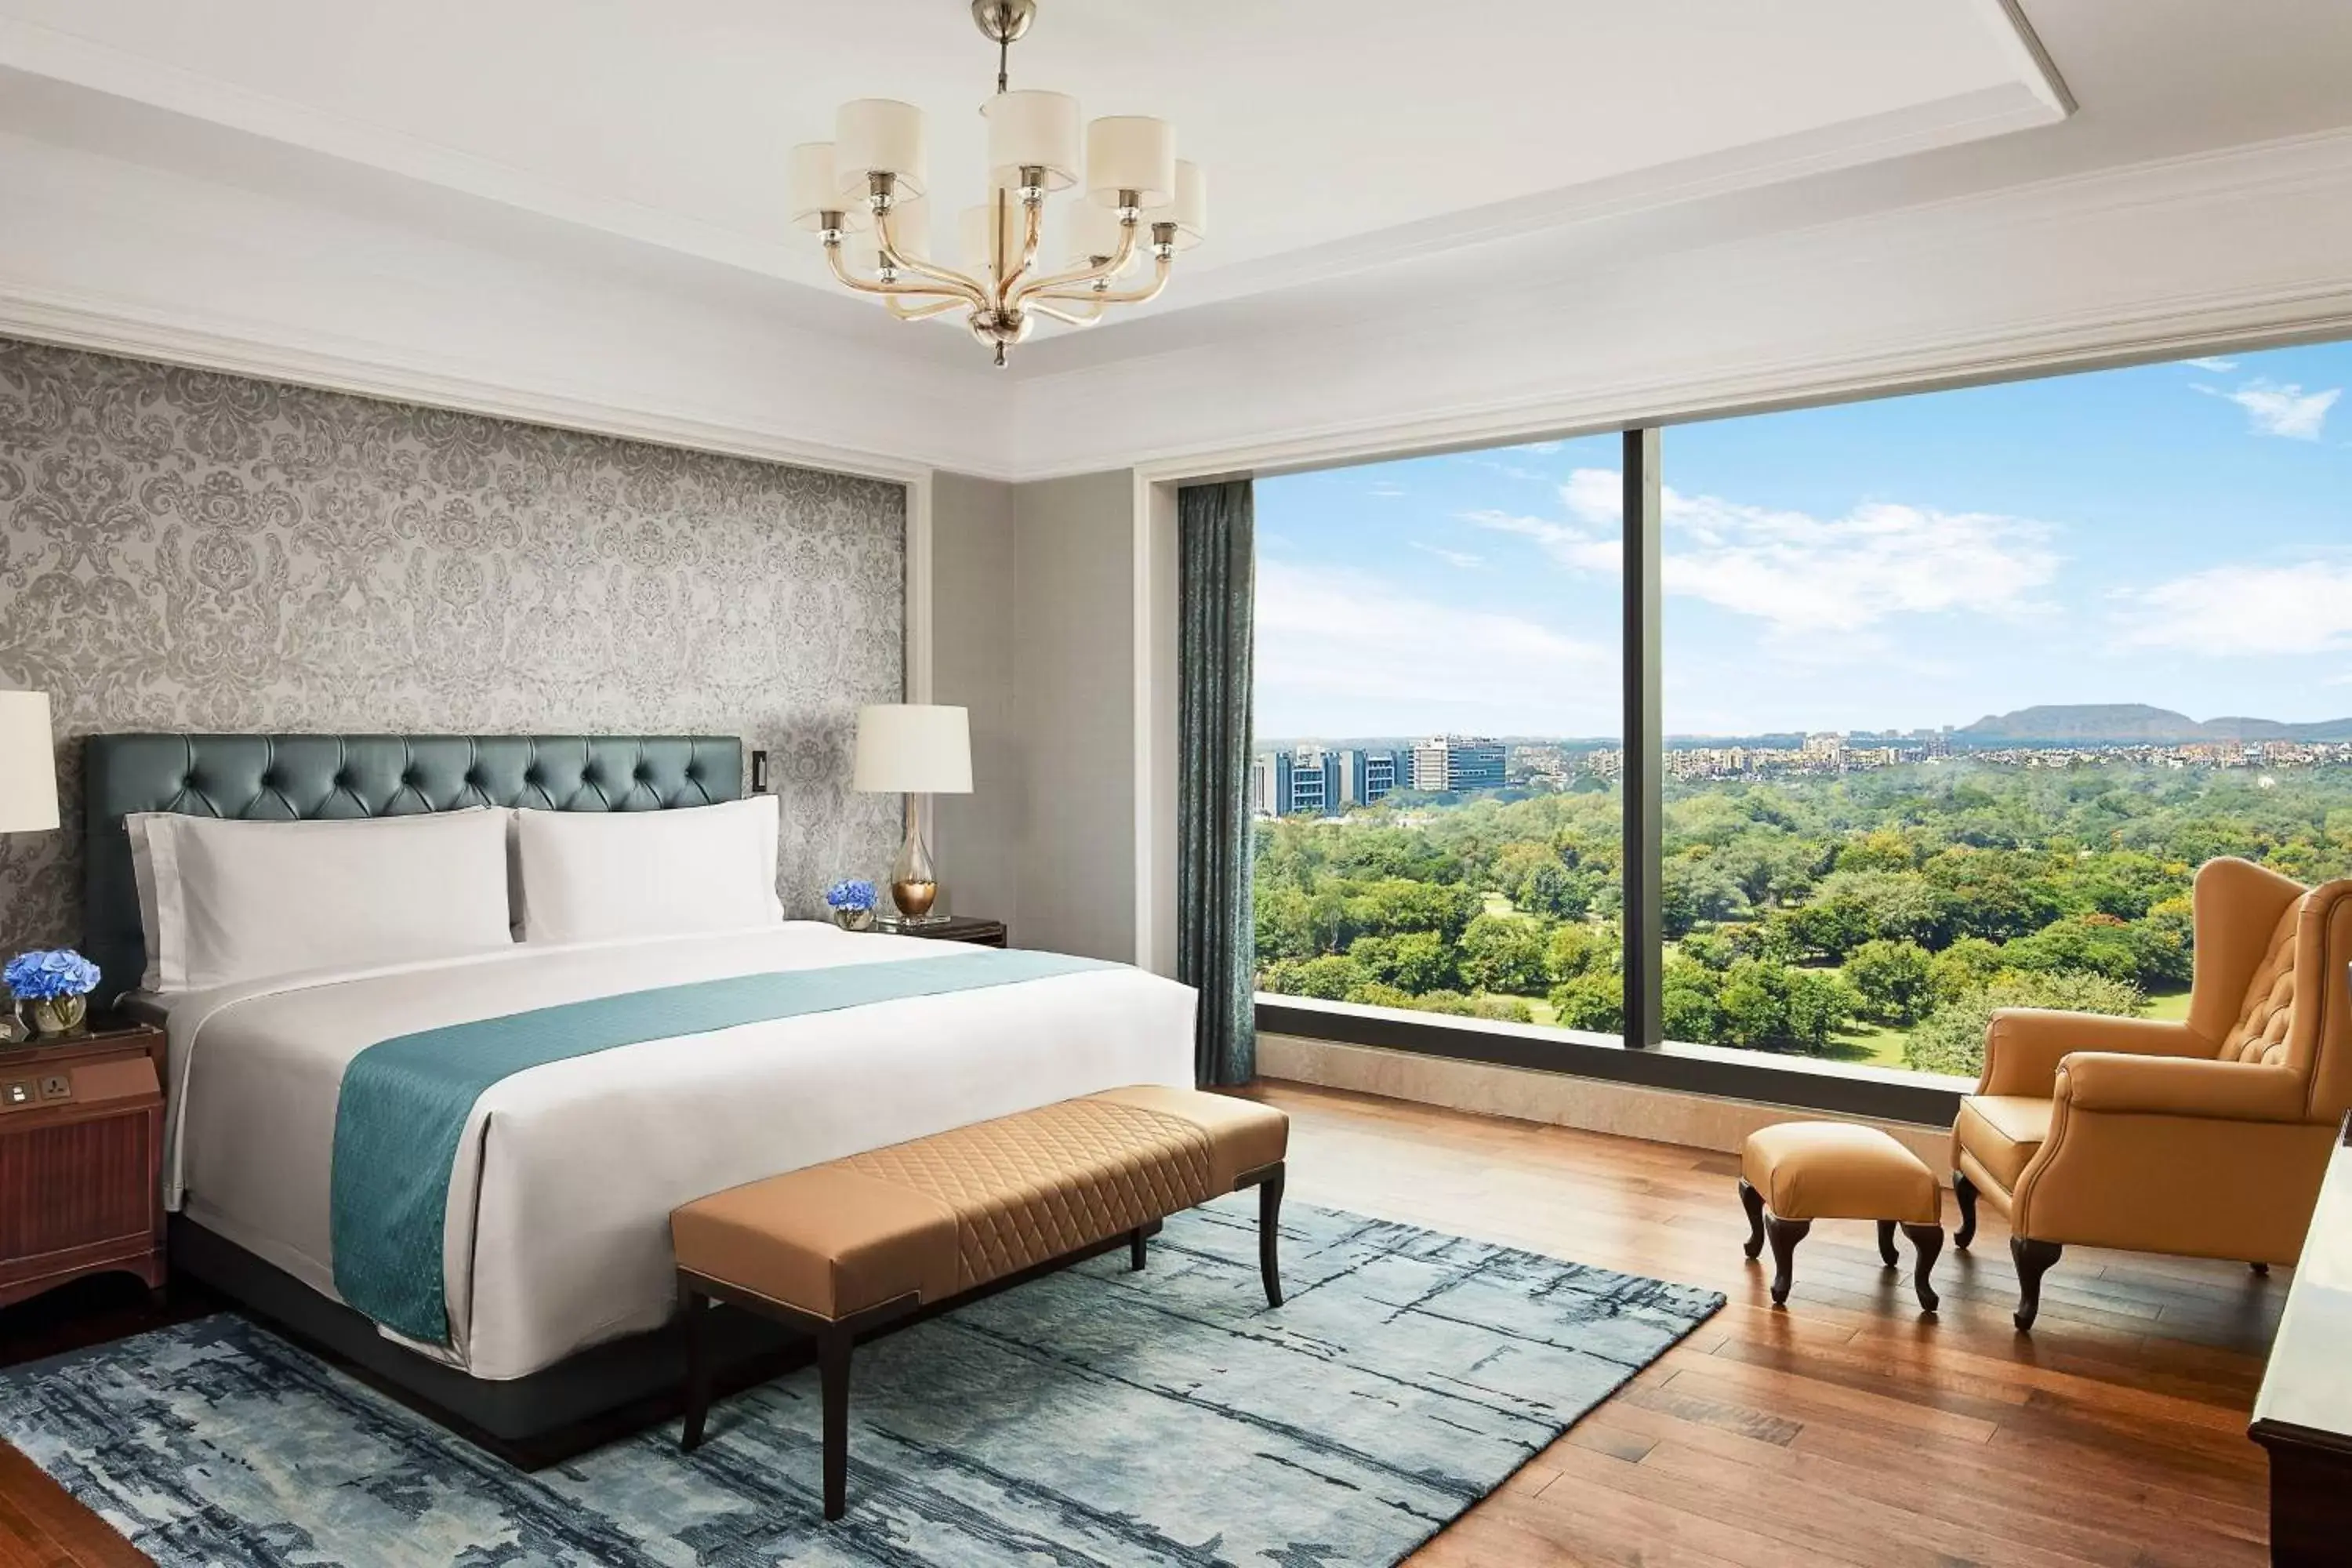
point(691, 1305)
point(833, 1347)
point(1887, 1243)
point(1135, 1250)
point(1269, 1234)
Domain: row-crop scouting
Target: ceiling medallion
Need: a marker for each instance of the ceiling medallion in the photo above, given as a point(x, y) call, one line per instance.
point(867, 189)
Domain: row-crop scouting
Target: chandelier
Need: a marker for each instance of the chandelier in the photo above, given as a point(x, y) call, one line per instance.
point(864, 191)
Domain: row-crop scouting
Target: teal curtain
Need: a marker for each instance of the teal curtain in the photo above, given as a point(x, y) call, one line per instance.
point(1216, 940)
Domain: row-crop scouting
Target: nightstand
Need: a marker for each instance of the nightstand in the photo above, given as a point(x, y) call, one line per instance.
point(958, 928)
point(82, 1158)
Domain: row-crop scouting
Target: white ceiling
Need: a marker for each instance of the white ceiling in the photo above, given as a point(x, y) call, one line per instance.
point(1378, 121)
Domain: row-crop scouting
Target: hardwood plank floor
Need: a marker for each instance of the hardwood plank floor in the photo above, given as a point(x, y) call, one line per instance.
point(1844, 1430)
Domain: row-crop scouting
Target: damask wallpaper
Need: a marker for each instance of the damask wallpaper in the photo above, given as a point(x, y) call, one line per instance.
point(187, 550)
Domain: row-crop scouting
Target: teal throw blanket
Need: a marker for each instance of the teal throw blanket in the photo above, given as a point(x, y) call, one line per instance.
point(404, 1101)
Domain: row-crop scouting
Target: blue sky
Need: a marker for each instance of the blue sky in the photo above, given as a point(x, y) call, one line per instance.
point(2179, 534)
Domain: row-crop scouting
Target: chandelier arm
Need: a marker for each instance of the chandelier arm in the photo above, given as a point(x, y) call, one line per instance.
point(925, 312)
point(1032, 226)
point(1161, 272)
point(1110, 268)
point(959, 288)
point(1053, 313)
point(973, 294)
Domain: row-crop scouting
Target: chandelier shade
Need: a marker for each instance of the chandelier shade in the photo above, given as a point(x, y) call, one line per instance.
point(809, 168)
point(1190, 211)
point(1131, 153)
point(879, 136)
point(1028, 130)
point(1127, 197)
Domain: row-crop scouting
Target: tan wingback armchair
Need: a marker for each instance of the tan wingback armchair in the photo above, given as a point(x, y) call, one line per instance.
point(2204, 1138)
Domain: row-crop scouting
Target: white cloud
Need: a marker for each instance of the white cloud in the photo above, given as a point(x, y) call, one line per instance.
point(1808, 576)
point(1573, 547)
point(2274, 408)
point(1461, 557)
point(1385, 490)
point(2218, 366)
point(2241, 609)
point(1331, 642)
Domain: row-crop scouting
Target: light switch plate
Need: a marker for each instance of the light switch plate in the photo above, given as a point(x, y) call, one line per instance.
point(15, 1094)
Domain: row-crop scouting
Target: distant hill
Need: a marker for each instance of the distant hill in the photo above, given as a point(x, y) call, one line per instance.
point(2133, 723)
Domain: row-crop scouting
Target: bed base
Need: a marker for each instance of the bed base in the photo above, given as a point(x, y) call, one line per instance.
point(581, 1403)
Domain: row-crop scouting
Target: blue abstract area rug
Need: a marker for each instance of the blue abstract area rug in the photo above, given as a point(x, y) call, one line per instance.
point(1093, 1417)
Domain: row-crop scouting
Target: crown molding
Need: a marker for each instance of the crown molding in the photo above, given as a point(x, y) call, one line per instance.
point(370, 370)
point(2175, 328)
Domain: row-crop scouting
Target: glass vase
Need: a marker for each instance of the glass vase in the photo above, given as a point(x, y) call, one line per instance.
point(58, 1015)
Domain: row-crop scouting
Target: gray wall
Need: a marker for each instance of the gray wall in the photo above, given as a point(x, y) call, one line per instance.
point(978, 835)
point(187, 550)
point(1034, 628)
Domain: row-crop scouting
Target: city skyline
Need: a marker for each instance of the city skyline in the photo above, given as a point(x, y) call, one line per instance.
point(2176, 535)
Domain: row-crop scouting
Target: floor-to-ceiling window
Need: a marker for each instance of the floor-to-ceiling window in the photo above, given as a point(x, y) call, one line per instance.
point(1961, 689)
point(1437, 756)
point(1957, 691)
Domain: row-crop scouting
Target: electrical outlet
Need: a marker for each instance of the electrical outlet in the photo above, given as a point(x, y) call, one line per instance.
point(57, 1086)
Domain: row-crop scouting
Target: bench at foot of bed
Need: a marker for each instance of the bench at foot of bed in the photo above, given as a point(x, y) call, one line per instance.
point(861, 1246)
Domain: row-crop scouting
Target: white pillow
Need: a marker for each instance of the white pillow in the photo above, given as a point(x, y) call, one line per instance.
point(224, 901)
point(589, 875)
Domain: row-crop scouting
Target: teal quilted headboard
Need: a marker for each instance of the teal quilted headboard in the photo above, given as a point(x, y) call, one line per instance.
point(293, 777)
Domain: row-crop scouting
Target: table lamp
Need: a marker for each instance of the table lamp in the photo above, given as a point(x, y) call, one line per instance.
point(28, 789)
point(28, 764)
point(913, 749)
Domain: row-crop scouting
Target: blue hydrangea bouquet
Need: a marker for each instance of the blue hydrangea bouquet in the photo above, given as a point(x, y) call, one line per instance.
point(57, 983)
point(852, 902)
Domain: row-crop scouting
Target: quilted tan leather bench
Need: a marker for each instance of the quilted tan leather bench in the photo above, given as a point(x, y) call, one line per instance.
point(877, 1241)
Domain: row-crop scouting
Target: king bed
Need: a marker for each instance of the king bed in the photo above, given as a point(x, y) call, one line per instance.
point(505, 1225)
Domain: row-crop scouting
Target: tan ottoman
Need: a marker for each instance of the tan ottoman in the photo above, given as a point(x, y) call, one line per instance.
point(1799, 1172)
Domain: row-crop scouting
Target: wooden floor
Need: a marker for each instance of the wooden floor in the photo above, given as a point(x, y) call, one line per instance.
point(1846, 1429)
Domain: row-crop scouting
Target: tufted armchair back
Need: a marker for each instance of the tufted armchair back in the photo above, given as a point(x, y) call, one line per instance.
point(2270, 987)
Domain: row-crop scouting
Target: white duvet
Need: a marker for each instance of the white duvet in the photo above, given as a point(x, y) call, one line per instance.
point(558, 1227)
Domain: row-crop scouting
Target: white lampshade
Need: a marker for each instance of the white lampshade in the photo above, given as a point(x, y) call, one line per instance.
point(28, 764)
point(1190, 211)
point(909, 748)
point(1033, 130)
point(1131, 153)
point(879, 136)
point(816, 191)
point(1093, 231)
point(911, 229)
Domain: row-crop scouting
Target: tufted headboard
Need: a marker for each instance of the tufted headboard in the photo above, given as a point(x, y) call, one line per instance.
point(293, 777)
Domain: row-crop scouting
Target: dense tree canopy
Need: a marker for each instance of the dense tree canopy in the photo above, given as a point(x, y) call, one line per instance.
point(1804, 914)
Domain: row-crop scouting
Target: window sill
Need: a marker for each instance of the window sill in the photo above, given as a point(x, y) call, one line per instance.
point(1891, 1094)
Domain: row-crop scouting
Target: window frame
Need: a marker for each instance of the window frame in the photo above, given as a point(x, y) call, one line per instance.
point(1644, 1056)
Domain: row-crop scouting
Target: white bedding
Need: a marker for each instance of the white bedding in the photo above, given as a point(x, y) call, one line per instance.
point(558, 1233)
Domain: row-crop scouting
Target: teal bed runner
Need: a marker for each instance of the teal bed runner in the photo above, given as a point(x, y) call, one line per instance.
point(404, 1103)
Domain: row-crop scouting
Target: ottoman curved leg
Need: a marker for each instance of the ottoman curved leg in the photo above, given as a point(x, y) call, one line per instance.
point(1927, 1241)
point(1965, 1190)
point(1887, 1243)
point(1784, 1234)
point(1753, 1201)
